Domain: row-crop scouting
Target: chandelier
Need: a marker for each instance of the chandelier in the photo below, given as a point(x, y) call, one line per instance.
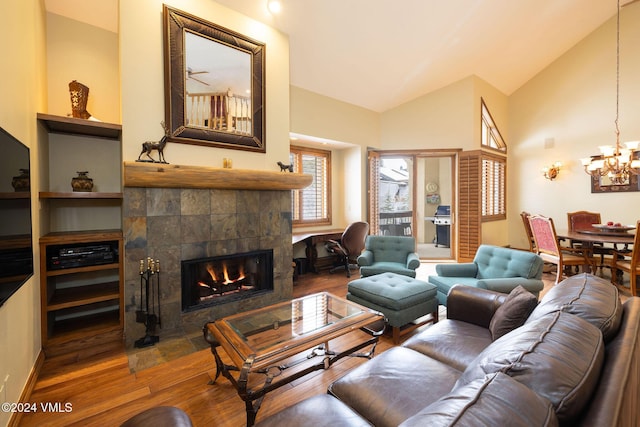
point(615, 162)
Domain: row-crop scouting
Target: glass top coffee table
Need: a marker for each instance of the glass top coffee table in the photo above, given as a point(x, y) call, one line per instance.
point(265, 342)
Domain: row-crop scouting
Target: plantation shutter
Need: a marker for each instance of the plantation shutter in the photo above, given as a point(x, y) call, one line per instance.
point(314, 205)
point(469, 209)
point(493, 188)
point(373, 192)
point(311, 204)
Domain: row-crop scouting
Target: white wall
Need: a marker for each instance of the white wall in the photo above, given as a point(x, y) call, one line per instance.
point(572, 102)
point(23, 89)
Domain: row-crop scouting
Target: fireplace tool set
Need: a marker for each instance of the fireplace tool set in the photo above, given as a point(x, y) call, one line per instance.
point(150, 292)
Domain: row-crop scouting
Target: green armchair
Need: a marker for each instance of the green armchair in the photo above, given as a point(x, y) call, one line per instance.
point(389, 254)
point(495, 268)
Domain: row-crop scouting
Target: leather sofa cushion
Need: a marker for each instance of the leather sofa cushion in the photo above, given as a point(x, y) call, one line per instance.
point(513, 312)
point(559, 356)
point(393, 386)
point(321, 410)
point(593, 299)
point(453, 342)
point(159, 416)
point(495, 400)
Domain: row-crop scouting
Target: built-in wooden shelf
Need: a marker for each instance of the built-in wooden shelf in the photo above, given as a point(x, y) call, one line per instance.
point(73, 126)
point(86, 269)
point(16, 195)
point(83, 236)
point(158, 175)
point(78, 195)
point(82, 295)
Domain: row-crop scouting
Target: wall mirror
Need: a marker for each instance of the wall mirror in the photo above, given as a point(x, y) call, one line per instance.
point(214, 79)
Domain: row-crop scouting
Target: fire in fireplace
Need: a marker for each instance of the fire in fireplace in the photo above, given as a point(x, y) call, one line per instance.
point(217, 280)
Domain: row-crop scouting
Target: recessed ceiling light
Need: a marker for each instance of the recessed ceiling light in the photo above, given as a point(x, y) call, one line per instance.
point(274, 6)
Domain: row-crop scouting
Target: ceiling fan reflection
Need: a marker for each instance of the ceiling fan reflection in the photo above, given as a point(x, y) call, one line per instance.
point(191, 73)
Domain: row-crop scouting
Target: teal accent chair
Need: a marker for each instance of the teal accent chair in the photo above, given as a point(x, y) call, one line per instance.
point(389, 254)
point(495, 268)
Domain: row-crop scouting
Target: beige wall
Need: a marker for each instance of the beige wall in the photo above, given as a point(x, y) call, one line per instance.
point(572, 102)
point(23, 89)
point(319, 116)
point(88, 54)
point(142, 67)
point(322, 117)
point(442, 119)
point(448, 118)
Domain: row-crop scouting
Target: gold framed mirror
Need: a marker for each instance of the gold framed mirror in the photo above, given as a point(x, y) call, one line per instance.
point(214, 84)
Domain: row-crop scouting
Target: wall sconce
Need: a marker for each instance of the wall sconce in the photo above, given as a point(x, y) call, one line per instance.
point(551, 172)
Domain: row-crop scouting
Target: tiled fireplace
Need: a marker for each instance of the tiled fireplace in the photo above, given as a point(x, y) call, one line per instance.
point(174, 225)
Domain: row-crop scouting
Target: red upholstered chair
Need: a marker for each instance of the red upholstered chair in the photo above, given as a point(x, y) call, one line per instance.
point(349, 247)
point(547, 246)
point(584, 220)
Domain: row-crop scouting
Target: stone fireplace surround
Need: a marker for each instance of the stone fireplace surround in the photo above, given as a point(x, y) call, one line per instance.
point(169, 220)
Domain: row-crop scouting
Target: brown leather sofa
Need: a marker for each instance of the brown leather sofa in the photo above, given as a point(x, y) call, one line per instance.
point(575, 361)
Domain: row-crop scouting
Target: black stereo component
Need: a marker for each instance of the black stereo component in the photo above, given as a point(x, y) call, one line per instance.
point(81, 256)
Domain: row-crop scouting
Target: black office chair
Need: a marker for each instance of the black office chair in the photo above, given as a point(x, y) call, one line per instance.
point(350, 246)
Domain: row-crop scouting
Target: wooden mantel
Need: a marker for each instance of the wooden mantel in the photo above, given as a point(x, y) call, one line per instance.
point(159, 175)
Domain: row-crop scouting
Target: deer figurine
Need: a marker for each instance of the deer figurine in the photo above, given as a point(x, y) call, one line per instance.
point(149, 146)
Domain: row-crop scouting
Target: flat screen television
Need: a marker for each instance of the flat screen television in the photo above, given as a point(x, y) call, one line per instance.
point(16, 249)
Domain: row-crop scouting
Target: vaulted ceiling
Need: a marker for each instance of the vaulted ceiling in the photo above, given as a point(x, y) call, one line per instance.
point(378, 54)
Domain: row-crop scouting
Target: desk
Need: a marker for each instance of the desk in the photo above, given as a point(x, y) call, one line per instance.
point(310, 239)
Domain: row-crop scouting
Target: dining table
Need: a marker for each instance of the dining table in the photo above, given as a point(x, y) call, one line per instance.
point(602, 235)
point(595, 235)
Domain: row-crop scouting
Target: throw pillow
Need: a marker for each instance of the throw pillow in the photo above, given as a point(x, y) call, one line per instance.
point(513, 312)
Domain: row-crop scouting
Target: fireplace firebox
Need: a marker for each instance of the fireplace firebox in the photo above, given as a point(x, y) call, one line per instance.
point(221, 279)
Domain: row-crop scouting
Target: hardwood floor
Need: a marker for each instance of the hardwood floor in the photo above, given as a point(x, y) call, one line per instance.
point(103, 391)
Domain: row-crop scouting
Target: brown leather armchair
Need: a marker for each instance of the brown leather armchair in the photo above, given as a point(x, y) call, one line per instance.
point(349, 247)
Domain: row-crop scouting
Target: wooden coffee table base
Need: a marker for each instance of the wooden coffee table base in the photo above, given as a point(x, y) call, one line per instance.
point(253, 397)
point(275, 345)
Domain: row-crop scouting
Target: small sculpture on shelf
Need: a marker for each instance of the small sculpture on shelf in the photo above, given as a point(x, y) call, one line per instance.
point(82, 182)
point(149, 146)
point(284, 168)
point(79, 96)
point(22, 182)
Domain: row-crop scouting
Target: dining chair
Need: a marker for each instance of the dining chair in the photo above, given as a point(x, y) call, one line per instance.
point(584, 220)
point(548, 247)
point(631, 265)
point(527, 229)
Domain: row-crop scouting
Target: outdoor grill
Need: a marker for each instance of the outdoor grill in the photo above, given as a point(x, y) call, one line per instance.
point(442, 221)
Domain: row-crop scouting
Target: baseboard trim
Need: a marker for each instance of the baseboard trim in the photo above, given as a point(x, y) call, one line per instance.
point(14, 420)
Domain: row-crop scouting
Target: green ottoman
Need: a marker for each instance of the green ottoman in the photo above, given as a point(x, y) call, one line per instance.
point(402, 299)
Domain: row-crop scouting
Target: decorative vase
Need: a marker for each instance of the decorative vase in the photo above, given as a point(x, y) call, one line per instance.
point(22, 182)
point(82, 182)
